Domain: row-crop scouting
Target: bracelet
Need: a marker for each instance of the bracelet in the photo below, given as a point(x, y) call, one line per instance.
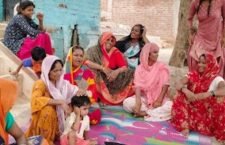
point(213, 93)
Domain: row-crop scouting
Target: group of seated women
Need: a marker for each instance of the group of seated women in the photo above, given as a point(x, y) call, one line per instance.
point(114, 72)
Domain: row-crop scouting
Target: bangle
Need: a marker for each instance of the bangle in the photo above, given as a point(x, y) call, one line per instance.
point(213, 93)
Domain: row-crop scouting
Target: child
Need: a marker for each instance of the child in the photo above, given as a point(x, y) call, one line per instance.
point(78, 123)
point(22, 33)
point(37, 56)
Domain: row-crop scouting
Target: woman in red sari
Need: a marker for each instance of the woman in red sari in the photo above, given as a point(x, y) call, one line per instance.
point(113, 78)
point(199, 105)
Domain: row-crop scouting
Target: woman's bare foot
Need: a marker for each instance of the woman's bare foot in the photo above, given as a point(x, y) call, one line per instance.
point(140, 114)
point(185, 132)
point(93, 142)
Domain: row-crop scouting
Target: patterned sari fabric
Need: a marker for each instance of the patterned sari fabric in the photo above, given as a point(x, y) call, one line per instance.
point(8, 94)
point(81, 76)
point(116, 91)
point(204, 116)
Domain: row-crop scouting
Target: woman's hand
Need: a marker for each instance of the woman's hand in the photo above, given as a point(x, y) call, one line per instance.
point(191, 96)
point(65, 107)
point(106, 71)
point(192, 33)
point(179, 86)
point(113, 75)
point(81, 92)
point(40, 16)
point(157, 103)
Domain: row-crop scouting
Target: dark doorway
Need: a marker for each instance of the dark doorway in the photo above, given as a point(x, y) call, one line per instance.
point(9, 8)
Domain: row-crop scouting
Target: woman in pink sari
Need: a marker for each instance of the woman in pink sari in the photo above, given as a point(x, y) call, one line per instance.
point(22, 34)
point(210, 32)
point(151, 81)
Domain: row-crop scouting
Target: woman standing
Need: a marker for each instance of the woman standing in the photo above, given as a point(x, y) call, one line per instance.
point(132, 44)
point(210, 33)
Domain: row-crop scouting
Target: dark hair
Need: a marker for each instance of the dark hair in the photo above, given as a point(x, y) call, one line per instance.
point(24, 4)
point(53, 65)
point(79, 101)
point(200, 3)
point(38, 53)
point(77, 47)
point(121, 44)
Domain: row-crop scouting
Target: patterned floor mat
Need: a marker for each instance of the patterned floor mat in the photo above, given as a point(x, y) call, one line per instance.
point(119, 126)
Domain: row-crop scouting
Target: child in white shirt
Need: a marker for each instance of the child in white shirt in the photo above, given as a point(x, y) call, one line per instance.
point(78, 123)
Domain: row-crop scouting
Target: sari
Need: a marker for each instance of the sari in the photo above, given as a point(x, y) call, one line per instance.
point(150, 80)
point(116, 91)
point(205, 115)
point(8, 94)
point(81, 76)
point(48, 120)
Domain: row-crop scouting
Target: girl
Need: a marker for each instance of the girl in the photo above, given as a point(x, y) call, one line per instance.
point(22, 33)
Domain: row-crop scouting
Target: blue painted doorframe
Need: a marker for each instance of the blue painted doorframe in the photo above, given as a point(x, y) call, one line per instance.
point(63, 15)
point(1, 10)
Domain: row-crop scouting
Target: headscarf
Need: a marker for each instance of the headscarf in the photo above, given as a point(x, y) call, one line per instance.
point(201, 82)
point(105, 36)
point(63, 89)
point(69, 64)
point(8, 94)
point(151, 79)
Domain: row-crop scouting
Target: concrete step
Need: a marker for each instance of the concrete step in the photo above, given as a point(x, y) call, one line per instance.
point(2, 29)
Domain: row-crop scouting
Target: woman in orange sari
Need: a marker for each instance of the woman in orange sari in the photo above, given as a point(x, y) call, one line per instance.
point(113, 78)
point(200, 102)
point(50, 98)
point(8, 94)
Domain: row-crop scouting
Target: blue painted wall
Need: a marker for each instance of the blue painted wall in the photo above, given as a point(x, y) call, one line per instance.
point(62, 15)
point(1, 10)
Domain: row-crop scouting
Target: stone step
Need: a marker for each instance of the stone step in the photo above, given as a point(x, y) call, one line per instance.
point(2, 29)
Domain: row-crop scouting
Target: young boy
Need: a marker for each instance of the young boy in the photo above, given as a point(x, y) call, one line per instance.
point(37, 56)
point(78, 123)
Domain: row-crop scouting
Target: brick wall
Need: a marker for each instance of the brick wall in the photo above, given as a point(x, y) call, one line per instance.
point(159, 16)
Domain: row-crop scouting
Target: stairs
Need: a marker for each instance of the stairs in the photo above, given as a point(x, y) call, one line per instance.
point(9, 62)
point(2, 29)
